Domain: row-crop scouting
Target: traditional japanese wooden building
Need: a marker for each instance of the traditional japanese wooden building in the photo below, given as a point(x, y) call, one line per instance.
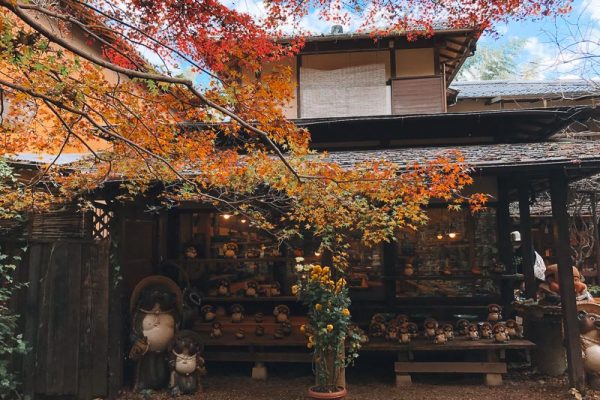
point(361, 99)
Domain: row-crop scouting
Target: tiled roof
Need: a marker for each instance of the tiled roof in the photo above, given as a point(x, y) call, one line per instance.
point(529, 89)
point(485, 155)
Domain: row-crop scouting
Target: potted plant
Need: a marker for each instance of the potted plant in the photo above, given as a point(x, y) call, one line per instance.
point(329, 331)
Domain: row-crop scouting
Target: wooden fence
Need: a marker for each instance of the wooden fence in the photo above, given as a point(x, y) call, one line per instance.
point(72, 321)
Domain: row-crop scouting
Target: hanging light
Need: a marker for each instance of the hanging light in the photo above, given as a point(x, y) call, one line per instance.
point(439, 235)
point(317, 253)
point(226, 216)
point(243, 220)
point(452, 232)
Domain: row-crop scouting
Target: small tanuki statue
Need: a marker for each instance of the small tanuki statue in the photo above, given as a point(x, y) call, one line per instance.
point(589, 334)
point(187, 365)
point(440, 336)
point(156, 304)
point(494, 313)
point(486, 330)
point(549, 290)
point(429, 326)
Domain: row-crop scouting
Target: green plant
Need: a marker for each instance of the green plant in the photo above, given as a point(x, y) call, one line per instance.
point(11, 341)
point(330, 333)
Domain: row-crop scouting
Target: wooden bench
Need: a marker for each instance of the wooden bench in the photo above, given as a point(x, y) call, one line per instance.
point(493, 366)
point(256, 349)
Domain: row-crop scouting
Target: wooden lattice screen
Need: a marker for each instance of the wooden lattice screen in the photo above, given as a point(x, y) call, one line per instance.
point(101, 218)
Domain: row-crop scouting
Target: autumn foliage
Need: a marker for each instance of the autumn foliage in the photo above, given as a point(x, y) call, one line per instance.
point(188, 121)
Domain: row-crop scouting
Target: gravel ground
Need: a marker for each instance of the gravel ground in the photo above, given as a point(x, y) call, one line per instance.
point(232, 382)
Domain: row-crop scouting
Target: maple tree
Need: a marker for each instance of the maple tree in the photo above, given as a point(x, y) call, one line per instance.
point(216, 138)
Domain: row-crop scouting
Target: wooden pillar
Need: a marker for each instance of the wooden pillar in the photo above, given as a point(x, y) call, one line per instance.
point(559, 191)
point(389, 271)
point(526, 240)
point(594, 199)
point(504, 224)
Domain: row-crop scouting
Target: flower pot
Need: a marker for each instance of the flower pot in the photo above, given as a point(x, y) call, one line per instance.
point(339, 394)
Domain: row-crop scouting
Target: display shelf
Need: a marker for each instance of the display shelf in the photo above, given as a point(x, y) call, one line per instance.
point(441, 277)
point(229, 260)
point(242, 299)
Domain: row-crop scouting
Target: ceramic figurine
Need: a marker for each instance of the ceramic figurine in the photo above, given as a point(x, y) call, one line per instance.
point(260, 330)
point(500, 334)
point(223, 288)
point(473, 331)
point(376, 331)
point(549, 290)
point(401, 320)
point(413, 329)
point(191, 252)
point(391, 333)
point(208, 313)
point(187, 367)
point(230, 249)
point(258, 317)
point(589, 335)
point(409, 270)
point(404, 336)
point(237, 313)
point(440, 336)
point(448, 331)
point(494, 313)
point(156, 305)
point(513, 330)
point(240, 334)
point(462, 327)
point(251, 289)
point(286, 328)
point(278, 334)
point(275, 289)
point(281, 313)
point(430, 325)
point(486, 330)
point(217, 330)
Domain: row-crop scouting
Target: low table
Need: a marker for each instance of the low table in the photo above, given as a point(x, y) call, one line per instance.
point(492, 365)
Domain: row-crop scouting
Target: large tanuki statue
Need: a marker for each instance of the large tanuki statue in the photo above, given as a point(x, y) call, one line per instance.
point(549, 290)
point(155, 306)
point(589, 334)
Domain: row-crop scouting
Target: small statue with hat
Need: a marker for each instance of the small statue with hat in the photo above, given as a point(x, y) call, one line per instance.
point(549, 290)
point(156, 305)
point(187, 364)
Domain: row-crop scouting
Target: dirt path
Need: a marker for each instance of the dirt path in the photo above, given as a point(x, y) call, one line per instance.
point(290, 383)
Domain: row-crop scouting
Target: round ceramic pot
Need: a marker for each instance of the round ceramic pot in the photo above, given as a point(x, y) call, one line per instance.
point(340, 394)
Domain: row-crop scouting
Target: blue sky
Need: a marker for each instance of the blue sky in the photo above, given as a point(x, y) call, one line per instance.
point(541, 50)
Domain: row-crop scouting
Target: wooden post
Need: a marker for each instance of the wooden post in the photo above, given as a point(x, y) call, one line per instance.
point(389, 271)
point(526, 241)
point(596, 235)
point(559, 190)
point(504, 222)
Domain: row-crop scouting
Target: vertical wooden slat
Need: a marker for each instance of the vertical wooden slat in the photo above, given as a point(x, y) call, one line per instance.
point(594, 199)
point(559, 191)
point(85, 338)
point(73, 292)
point(116, 314)
point(100, 320)
point(527, 242)
point(31, 319)
point(41, 341)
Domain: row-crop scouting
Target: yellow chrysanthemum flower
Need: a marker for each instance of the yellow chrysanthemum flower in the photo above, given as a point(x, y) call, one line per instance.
point(329, 328)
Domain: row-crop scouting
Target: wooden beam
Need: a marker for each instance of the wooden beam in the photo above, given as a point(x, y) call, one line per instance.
point(559, 190)
point(526, 240)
